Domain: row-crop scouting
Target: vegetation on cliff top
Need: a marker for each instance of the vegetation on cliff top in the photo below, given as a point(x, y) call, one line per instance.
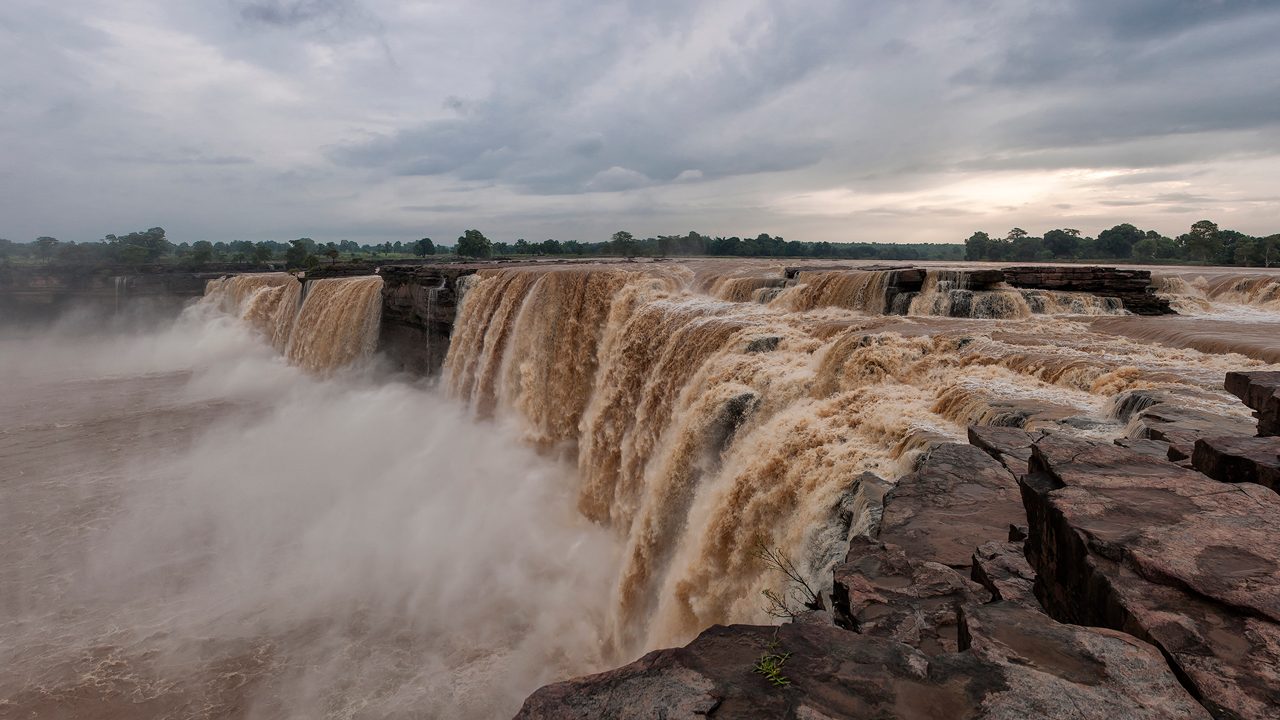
point(1204, 244)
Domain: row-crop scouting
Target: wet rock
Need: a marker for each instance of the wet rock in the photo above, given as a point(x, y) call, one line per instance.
point(1011, 446)
point(1013, 669)
point(764, 344)
point(1169, 417)
point(1240, 459)
point(1002, 569)
point(1259, 390)
point(861, 507)
point(878, 590)
point(1129, 542)
point(1132, 287)
point(958, 498)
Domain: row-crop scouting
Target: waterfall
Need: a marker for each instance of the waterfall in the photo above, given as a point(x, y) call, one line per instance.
point(335, 325)
point(865, 290)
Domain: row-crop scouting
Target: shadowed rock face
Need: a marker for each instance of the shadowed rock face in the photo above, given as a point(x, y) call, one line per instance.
point(1240, 459)
point(1261, 391)
point(1129, 542)
point(1002, 569)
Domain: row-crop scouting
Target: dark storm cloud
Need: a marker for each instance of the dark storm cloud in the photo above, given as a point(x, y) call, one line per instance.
point(248, 114)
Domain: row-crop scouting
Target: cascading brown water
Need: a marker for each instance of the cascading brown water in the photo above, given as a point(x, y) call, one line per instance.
point(705, 429)
point(335, 325)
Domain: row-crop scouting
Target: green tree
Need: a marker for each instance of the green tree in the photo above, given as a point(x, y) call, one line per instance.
point(297, 254)
point(331, 251)
point(1118, 241)
point(1202, 242)
point(977, 246)
point(45, 246)
point(201, 251)
point(522, 247)
point(1016, 234)
point(474, 244)
point(424, 247)
point(262, 252)
point(624, 243)
point(1062, 243)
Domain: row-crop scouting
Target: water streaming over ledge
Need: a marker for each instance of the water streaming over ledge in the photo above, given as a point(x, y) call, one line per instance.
point(703, 427)
point(334, 326)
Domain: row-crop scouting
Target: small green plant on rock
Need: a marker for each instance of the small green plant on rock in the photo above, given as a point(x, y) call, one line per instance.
point(770, 666)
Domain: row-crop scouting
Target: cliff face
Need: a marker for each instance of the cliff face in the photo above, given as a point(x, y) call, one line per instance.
point(419, 304)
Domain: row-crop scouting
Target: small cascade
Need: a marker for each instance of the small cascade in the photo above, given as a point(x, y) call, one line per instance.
point(1053, 302)
point(337, 324)
point(268, 302)
point(745, 289)
point(864, 290)
point(121, 283)
point(954, 293)
point(1203, 295)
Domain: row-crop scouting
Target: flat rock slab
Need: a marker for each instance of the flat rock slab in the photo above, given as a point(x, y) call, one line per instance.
point(1015, 669)
point(1126, 541)
point(958, 498)
point(1011, 446)
point(1259, 390)
point(1240, 459)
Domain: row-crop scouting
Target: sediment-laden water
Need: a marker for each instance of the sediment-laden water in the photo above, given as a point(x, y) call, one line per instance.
point(240, 515)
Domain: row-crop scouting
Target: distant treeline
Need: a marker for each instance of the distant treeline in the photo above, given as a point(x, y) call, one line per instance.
point(1204, 243)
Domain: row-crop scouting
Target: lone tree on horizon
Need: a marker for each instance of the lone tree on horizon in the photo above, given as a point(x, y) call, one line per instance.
point(474, 244)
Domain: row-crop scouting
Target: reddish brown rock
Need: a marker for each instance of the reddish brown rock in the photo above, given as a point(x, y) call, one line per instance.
point(1240, 459)
point(1002, 569)
point(1011, 446)
point(878, 590)
point(1125, 541)
point(1259, 390)
point(1014, 668)
point(957, 499)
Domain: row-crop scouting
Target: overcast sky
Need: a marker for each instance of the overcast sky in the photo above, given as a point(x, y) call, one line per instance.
point(857, 120)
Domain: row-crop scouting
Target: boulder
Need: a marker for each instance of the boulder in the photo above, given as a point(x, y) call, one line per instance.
point(1239, 459)
point(957, 498)
point(1122, 540)
point(1259, 390)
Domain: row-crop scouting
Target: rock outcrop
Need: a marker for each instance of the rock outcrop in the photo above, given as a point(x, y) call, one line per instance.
point(1132, 287)
point(1239, 459)
point(1259, 390)
point(1125, 541)
point(957, 498)
point(1012, 667)
point(419, 304)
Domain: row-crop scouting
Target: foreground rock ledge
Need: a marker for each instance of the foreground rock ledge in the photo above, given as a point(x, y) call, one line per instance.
point(832, 673)
point(1126, 541)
